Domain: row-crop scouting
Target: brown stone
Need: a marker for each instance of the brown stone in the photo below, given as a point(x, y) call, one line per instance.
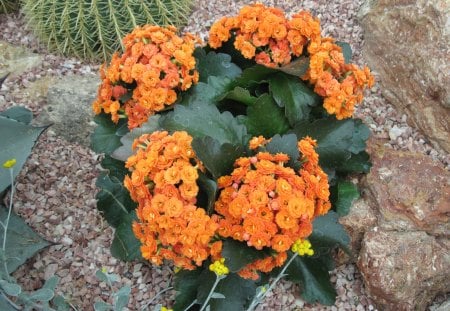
point(407, 42)
point(360, 219)
point(411, 191)
point(404, 270)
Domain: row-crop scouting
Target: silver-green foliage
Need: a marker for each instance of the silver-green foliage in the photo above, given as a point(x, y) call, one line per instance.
point(94, 29)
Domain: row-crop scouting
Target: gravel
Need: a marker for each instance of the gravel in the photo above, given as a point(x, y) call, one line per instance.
point(56, 188)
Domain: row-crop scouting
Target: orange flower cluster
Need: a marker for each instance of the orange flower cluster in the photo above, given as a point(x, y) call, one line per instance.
point(146, 77)
point(340, 84)
point(164, 171)
point(268, 204)
point(264, 33)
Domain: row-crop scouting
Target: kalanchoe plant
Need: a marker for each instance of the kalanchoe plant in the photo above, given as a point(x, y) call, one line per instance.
point(230, 159)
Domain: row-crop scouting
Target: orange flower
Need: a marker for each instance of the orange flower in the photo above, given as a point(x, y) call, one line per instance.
point(268, 204)
point(173, 207)
point(170, 227)
point(284, 220)
point(281, 242)
point(146, 65)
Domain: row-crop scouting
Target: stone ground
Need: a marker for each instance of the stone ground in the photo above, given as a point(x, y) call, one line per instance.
point(56, 189)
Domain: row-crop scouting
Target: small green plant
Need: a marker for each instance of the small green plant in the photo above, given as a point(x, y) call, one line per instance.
point(94, 29)
point(119, 298)
point(7, 6)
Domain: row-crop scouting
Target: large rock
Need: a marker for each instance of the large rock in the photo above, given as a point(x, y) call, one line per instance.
point(408, 42)
point(404, 270)
point(405, 257)
point(16, 59)
point(361, 218)
point(411, 191)
point(69, 108)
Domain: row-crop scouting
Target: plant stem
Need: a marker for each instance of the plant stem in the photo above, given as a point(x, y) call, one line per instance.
point(258, 299)
point(5, 226)
point(205, 304)
point(193, 303)
point(156, 296)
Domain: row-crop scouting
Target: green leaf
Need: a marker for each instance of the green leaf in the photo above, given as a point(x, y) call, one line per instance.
point(4, 305)
point(51, 283)
point(327, 234)
point(346, 193)
point(116, 168)
point(358, 163)
point(241, 95)
point(107, 134)
point(209, 187)
point(123, 152)
point(125, 245)
point(255, 73)
point(336, 139)
point(124, 291)
point(102, 306)
point(237, 254)
point(206, 282)
point(360, 136)
point(266, 118)
point(60, 303)
point(11, 289)
point(122, 298)
point(22, 243)
point(112, 277)
point(218, 158)
point(346, 50)
point(16, 141)
point(238, 293)
point(101, 276)
point(297, 67)
point(290, 92)
point(186, 283)
point(113, 200)
point(200, 121)
point(209, 93)
point(20, 114)
point(313, 277)
point(215, 64)
point(286, 144)
point(42, 295)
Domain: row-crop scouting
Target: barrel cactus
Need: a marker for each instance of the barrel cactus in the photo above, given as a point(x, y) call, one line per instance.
point(93, 29)
point(7, 6)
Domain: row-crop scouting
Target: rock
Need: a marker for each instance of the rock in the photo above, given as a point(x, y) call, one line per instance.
point(360, 219)
point(37, 90)
point(445, 306)
point(16, 59)
point(410, 190)
point(395, 132)
point(407, 43)
point(404, 270)
point(405, 257)
point(69, 108)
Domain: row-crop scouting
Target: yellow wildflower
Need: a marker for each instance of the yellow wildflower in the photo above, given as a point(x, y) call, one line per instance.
point(219, 268)
point(302, 247)
point(9, 163)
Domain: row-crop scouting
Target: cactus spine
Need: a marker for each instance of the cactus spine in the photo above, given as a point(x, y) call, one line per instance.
point(7, 6)
point(93, 29)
